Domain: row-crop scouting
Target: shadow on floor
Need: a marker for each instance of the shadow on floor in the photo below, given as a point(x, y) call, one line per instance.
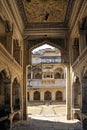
point(34, 124)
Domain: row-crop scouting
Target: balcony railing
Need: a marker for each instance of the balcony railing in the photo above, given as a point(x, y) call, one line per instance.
point(80, 58)
point(37, 83)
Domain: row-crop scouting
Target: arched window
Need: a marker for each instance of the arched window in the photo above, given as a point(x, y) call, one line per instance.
point(36, 95)
point(59, 96)
point(38, 76)
point(57, 75)
point(47, 95)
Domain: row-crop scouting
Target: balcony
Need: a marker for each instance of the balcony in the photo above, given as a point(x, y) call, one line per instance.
point(57, 83)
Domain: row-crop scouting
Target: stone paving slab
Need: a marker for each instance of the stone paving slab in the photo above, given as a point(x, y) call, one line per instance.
point(46, 119)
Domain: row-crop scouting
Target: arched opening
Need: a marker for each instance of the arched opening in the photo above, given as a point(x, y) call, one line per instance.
point(37, 73)
point(47, 75)
point(16, 95)
point(47, 95)
point(36, 95)
point(77, 93)
point(59, 96)
point(5, 108)
point(84, 93)
point(57, 75)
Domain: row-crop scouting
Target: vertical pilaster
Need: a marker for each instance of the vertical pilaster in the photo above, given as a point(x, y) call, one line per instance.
point(31, 95)
point(11, 95)
point(42, 96)
point(53, 96)
point(24, 82)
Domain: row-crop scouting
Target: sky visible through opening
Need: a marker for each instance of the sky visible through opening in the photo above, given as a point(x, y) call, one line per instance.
point(43, 47)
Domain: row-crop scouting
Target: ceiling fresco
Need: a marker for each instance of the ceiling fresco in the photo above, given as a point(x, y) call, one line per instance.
point(45, 10)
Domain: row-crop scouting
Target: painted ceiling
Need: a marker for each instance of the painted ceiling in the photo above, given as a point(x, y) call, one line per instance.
point(45, 10)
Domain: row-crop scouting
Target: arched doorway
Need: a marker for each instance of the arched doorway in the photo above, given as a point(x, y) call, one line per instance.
point(47, 95)
point(36, 95)
point(59, 96)
point(16, 95)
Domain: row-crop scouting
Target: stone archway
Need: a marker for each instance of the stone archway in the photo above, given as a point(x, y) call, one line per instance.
point(46, 96)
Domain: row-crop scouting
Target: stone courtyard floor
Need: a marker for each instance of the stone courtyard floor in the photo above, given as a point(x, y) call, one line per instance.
point(47, 117)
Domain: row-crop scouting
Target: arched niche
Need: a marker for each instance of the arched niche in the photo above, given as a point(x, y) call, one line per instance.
point(37, 95)
point(5, 109)
point(84, 92)
point(76, 93)
point(59, 96)
point(16, 95)
point(47, 95)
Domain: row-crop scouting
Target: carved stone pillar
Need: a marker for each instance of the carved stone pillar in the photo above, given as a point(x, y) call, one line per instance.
point(25, 59)
point(24, 82)
point(68, 92)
